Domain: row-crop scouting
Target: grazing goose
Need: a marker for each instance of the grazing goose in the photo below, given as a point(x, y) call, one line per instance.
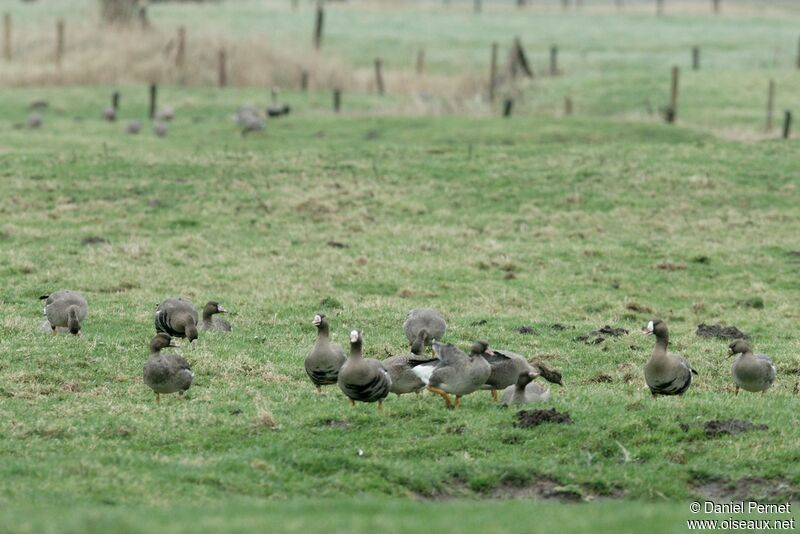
point(666, 373)
point(324, 359)
point(177, 317)
point(454, 372)
point(161, 129)
point(133, 127)
point(166, 373)
point(65, 309)
point(211, 323)
point(422, 326)
point(525, 390)
point(506, 369)
point(275, 109)
point(110, 113)
point(34, 120)
point(751, 372)
point(404, 379)
point(363, 379)
point(165, 113)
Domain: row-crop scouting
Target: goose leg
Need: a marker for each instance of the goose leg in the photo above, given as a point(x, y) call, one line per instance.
point(737, 391)
point(443, 394)
point(494, 394)
point(458, 401)
point(380, 405)
point(319, 390)
point(52, 330)
point(352, 403)
point(158, 398)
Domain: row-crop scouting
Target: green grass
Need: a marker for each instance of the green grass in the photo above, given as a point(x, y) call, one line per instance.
point(435, 212)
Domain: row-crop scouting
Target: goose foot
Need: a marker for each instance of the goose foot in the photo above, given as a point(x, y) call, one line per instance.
point(458, 401)
point(319, 390)
point(443, 394)
point(494, 394)
point(53, 332)
point(352, 403)
point(158, 398)
point(380, 405)
point(737, 391)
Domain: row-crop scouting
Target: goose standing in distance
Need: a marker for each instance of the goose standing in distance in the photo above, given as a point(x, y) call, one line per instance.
point(177, 317)
point(454, 372)
point(525, 391)
point(161, 129)
point(65, 309)
point(211, 323)
point(34, 121)
point(363, 379)
point(166, 373)
point(422, 326)
point(665, 373)
point(751, 372)
point(324, 360)
point(110, 113)
point(275, 109)
point(165, 113)
point(133, 127)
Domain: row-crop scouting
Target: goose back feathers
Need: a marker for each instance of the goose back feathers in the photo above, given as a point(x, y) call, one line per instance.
point(65, 309)
point(177, 317)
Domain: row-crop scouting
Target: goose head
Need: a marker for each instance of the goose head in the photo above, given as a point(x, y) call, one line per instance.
point(161, 341)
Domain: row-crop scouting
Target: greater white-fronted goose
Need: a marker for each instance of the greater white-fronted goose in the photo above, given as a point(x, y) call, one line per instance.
point(422, 326)
point(751, 372)
point(65, 309)
point(166, 373)
point(666, 373)
point(401, 369)
point(454, 372)
point(324, 360)
point(110, 113)
point(165, 113)
point(525, 390)
point(211, 323)
point(34, 121)
point(177, 317)
point(363, 379)
point(506, 369)
point(133, 127)
point(161, 129)
point(276, 109)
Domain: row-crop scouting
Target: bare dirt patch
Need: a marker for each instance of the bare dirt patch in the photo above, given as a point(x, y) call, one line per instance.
point(720, 331)
point(525, 330)
point(761, 489)
point(598, 336)
point(730, 426)
point(531, 418)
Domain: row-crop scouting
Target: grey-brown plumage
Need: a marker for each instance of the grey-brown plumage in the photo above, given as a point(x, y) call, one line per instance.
point(404, 379)
point(455, 372)
point(177, 317)
point(324, 360)
point(133, 127)
point(276, 109)
point(506, 369)
point(166, 373)
point(161, 129)
point(666, 373)
point(65, 309)
point(422, 326)
point(34, 121)
point(110, 113)
point(212, 323)
point(525, 390)
point(165, 114)
point(751, 372)
point(363, 379)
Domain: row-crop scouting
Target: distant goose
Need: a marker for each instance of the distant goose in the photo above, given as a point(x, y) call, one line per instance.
point(65, 309)
point(110, 113)
point(666, 373)
point(525, 390)
point(751, 372)
point(251, 123)
point(161, 129)
point(39, 104)
point(133, 127)
point(211, 323)
point(363, 379)
point(454, 372)
point(165, 113)
point(422, 326)
point(324, 360)
point(34, 121)
point(177, 317)
point(166, 373)
point(275, 109)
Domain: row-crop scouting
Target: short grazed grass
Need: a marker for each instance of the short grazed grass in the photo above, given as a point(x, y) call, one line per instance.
point(582, 222)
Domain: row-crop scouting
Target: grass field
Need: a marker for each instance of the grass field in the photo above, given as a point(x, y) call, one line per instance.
point(608, 217)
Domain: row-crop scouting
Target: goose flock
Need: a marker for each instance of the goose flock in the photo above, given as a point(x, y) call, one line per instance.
point(449, 371)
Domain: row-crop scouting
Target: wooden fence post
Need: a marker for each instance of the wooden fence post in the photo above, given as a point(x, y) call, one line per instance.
point(619, 4)
point(153, 100)
point(476, 6)
point(295, 4)
point(787, 124)
point(180, 54)
point(318, 21)
point(379, 77)
point(553, 60)
point(770, 103)
point(304, 80)
point(59, 41)
point(567, 106)
point(144, 22)
point(337, 100)
point(565, 5)
point(420, 61)
point(493, 72)
point(7, 36)
point(715, 6)
point(659, 7)
point(695, 58)
point(672, 110)
point(508, 106)
point(223, 72)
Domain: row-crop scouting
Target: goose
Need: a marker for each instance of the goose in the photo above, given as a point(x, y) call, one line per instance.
point(404, 379)
point(525, 390)
point(751, 372)
point(65, 309)
point(166, 373)
point(454, 372)
point(34, 121)
point(506, 369)
point(110, 113)
point(363, 379)
point(324, 360)
point(422, 326)
point(133, 127)
point(211, 323)
point(275, 109)
point(177, 317)
point(165, 113)
point(666, 373)
point(161, 129)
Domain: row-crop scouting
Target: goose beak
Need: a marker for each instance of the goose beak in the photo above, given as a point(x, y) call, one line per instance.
point(490, 352)
point(220, 309)
point(646, 331)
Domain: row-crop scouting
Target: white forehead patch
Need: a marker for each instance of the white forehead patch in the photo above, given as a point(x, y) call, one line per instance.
point(354, 335)
point(650, 325)
point(317, 318)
